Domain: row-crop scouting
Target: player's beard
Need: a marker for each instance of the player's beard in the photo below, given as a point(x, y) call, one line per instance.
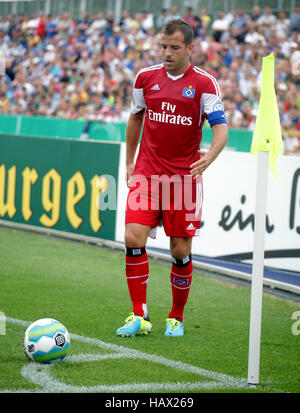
point(176, 66)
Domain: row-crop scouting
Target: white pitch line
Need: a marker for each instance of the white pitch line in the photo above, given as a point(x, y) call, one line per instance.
point(178, 365)
point(41, 374)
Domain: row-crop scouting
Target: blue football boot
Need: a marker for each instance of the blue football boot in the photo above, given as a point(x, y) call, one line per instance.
point(174, 328)
point(134, 325)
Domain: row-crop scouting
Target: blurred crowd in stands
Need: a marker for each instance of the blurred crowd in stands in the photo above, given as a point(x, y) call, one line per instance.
point(60, 67)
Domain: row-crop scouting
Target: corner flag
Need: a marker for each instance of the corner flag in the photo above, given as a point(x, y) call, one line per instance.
point(267, 134)
point(267, 143)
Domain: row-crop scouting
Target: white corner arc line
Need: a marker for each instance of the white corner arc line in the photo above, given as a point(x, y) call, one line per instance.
point(40, 375)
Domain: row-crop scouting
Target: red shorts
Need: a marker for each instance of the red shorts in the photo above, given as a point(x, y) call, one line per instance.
point(176, 202)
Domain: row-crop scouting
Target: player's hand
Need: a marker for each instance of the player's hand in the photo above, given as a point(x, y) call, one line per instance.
point(198, 167)
point(129, 174)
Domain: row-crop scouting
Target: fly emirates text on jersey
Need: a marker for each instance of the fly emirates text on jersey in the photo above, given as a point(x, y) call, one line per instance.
point(168, 115)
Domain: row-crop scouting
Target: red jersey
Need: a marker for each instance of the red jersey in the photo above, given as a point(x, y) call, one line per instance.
point(175, 110)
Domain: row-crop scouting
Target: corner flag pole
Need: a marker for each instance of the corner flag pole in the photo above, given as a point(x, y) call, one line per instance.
point(267, 144)
point(258, 268)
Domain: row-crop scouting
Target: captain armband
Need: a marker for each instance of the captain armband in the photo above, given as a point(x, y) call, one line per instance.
point(216, 118)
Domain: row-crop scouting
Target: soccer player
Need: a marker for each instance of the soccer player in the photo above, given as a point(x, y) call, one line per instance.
point(171, 101)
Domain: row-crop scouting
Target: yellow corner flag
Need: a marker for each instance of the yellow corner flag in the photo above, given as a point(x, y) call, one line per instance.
point(267, 136)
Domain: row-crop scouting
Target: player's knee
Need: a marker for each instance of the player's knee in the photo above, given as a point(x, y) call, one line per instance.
point(180, 248)
point(130, 238)
point(178, 252)
point(133, 238)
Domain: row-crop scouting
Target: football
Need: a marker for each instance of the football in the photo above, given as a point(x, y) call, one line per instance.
point(46, 340)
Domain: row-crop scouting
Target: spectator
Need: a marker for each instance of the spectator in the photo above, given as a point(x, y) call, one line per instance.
point(234, 117)
point(246, 83)
point(268, 20)
point(204, 17)
point(282, 24)
point(295, 53)
point(219, 26)
point(238, 99)
point(231, 17)
point(190, 18)
point(162, 18)
point(125, 20)
point(108, 30)
point(248, 116)
point(295, 20)
point(83, 24)
point(236, 34)
point(241, 20)
point(84, 64)
point(226, 55)
point(50, 53)
point(254, 34)
point(41, 27)
point(4, 25)
point(174, 14)
point(291, 138)
point(50, 27)
point(98, 24)
point(256, 13)
point(147, 22)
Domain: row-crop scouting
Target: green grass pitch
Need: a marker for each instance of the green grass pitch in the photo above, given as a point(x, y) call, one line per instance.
point(84, 287)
